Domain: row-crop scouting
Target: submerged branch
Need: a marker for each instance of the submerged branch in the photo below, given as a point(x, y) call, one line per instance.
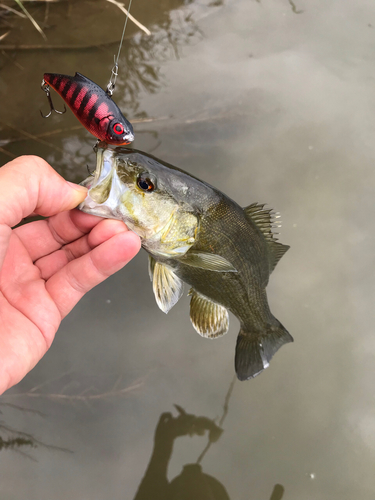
point(24, 438)
point(10, 9)
point(82, 397)
point(7, 153)
point(32, 20)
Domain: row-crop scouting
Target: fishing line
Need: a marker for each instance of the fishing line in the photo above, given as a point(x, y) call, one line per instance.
point(221, 421)
point(114, 72)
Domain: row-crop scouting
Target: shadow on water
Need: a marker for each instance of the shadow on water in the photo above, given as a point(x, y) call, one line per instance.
point(192, 483)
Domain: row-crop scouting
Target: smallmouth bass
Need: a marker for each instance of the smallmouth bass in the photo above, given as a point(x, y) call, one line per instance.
point(197, 235)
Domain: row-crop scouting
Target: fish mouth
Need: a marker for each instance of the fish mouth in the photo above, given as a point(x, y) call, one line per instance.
point(104, 189)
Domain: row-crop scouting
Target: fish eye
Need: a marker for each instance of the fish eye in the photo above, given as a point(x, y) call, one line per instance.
point(118, 129)
point(145, 182)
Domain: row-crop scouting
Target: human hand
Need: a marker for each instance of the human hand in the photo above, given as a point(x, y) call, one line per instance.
point(47, 266)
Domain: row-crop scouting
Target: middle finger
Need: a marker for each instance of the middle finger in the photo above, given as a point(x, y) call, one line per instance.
point(43, 237)
point(51, 264)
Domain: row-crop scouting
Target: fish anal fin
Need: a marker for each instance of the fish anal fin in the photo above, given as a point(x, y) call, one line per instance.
point(210, 320)
point(254, 350)
point(208, 261)
point(167, 286)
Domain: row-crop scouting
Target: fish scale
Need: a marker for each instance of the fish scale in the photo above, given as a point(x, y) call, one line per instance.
point(228, 253)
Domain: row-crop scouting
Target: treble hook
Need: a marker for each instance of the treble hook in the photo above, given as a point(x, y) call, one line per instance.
point(44, 85)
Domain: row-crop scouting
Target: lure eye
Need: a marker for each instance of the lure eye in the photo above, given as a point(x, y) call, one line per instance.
point(118, 129)
point(145, 183)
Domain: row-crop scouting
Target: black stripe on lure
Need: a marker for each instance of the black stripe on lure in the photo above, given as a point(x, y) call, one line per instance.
point(93, 107)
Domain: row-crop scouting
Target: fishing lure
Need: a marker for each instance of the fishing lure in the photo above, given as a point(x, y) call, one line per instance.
point(93, 107)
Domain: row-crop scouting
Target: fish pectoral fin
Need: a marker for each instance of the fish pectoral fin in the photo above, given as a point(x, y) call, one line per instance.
point(208, 261)
point(210, 319)
point(166, 285)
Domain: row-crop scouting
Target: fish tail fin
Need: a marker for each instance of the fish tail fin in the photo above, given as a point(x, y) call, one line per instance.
point(254, 350)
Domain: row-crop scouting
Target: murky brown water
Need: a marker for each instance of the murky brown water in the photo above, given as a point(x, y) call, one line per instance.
point(267, 105)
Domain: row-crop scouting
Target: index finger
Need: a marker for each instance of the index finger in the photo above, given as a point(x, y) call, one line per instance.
point(40, 238)
point(28, 184)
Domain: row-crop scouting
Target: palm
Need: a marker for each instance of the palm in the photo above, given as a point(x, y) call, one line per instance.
point(48, 267)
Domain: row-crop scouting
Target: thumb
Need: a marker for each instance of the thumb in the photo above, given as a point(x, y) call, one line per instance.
point(29, 184)
point(5, 232)
point(75, 196)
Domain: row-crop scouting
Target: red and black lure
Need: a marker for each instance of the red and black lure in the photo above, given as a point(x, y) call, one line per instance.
point(93, 107)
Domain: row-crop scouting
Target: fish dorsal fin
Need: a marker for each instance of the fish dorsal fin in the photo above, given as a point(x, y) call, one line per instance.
point(208, 261)
point(277, 251)
point(167, 286)
point(264, 219)
point(210, 320)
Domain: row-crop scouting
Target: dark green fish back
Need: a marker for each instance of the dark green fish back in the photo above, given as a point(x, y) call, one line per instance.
point(244, 238)
point(225, 230)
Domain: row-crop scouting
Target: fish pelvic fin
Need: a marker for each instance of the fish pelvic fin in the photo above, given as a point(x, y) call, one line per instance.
point(266, 219)
point(210, 320)
point(254, 350)
point(167, 286)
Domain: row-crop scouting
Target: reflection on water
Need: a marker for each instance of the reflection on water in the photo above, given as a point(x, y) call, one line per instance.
point(18, 441)
point(140, 63)
point(139, 71)
point(294, 8)
point(278, 492)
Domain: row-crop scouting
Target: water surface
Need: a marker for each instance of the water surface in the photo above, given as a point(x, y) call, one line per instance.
point(270, 101)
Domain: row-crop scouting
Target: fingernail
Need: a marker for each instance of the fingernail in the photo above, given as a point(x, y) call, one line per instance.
point(78, 195)
point(77, 187)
